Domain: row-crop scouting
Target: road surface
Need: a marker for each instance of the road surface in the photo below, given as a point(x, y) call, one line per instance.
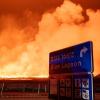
point(97, 97)
point(24, 98)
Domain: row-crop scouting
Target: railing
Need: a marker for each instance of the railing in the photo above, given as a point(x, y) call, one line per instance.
point(24, 91)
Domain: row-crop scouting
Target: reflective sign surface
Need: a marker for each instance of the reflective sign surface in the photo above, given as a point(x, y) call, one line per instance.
point(78, 58)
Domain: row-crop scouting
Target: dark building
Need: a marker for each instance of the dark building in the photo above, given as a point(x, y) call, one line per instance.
point(97, 84)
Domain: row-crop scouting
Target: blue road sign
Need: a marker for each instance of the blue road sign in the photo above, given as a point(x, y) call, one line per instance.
point(83, 87)
point(75, 59)
point(72, 69)
point(72, 87)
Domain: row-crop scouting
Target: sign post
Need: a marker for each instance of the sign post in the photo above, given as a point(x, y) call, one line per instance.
point(72, 69)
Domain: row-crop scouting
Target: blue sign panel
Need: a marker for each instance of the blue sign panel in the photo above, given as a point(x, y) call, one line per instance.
point(72, 87)
point(83, 87)
point(78, 58)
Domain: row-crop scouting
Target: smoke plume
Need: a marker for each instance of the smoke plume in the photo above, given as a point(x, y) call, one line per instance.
point(25, 42)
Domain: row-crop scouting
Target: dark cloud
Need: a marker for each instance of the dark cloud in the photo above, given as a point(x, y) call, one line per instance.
point(86, 4)
point(25, 12)
point(40, 6)
point(18, 6)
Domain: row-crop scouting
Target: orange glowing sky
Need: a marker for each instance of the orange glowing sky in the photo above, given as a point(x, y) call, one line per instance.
point(30, 29)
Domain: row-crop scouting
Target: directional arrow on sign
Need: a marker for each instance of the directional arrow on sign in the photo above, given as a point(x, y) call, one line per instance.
point(83, 51)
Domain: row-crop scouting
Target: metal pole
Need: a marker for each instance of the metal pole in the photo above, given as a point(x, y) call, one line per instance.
point(2, 89)
point(38, 89)
point(45, 88)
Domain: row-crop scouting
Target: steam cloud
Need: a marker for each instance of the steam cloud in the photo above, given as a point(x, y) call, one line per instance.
point(24, 48)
